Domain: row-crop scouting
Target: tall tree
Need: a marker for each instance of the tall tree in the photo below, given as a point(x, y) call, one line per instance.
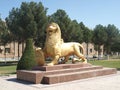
point(87, 35)
point(99, 37)
point(63, 21)
point(112, 34)
point(24, 23)
point(13, 25)
point(4, 33)
point(116, 46)
point(5, 36)
point(75, 32)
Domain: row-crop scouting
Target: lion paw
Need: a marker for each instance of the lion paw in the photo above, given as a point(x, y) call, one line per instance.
point(50, 64)
point(85, 61)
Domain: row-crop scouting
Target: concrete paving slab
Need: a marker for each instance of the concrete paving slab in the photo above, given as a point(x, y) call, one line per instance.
point(108, 82)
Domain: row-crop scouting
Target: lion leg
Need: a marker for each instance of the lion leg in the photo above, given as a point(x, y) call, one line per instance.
point(75, 60)
point(81, 56)
point(54, 61)
point(66, 59)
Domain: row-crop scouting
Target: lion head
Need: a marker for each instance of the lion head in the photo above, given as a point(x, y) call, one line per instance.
point(53, 28)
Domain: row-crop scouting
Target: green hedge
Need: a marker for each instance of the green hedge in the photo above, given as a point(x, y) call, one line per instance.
point(27, 61)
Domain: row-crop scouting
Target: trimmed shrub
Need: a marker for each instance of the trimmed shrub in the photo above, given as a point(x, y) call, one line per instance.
point(27, 61)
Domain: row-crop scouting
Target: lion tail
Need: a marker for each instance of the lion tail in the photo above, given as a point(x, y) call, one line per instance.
point(81, 48)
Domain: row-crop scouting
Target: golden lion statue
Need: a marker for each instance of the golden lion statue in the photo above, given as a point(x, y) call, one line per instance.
point(56, 48)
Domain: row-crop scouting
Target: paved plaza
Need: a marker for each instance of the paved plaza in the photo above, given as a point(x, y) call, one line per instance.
point(108, 82)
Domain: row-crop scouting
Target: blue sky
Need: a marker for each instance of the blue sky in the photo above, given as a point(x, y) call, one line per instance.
point(90, 12)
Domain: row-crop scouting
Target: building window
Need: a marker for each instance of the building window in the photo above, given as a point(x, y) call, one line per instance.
point(7, 50)
point(90, 50)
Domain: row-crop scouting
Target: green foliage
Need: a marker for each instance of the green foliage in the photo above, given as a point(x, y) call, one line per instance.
point(108, 36)
point(27, 60)
point(2, 26)
point(115, 47)
point(87, 35)
point(5, 36)
point(75, 32)
point(71, 30)
point(63, 21)
point(28, 21)
point(99, 35)
point(113, 37)
point(12, 23)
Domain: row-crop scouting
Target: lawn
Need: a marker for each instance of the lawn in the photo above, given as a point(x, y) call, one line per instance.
point(5, 70)
point(107, 63)
point(11, 69)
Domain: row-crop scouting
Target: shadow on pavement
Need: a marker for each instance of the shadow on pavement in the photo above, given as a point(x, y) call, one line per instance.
point(118, 69)
point(19, 81)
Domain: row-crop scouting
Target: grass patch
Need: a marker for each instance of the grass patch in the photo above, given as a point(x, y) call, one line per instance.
point(5, 70)
point(107, 63)
point(11, 69)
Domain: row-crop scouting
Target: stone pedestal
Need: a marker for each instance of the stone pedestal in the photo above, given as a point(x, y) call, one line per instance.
point(63, 73)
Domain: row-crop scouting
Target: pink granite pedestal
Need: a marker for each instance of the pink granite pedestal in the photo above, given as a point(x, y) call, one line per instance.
point(63, 73)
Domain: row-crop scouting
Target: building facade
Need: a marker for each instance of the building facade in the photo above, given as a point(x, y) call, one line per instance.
point(91, 51)
point(11, 50)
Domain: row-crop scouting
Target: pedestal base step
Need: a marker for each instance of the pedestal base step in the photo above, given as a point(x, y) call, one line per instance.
point(58, 78)
point(61, 66)
point(54, 75)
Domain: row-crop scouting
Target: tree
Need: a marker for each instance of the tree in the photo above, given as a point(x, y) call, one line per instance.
point(112, 34)
point(87, 35)
point(99, 37)
point(62, 19)
point(116, 45)
point(75, 32)
point(13, 25)
point(5, 36)
point(26, 23)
